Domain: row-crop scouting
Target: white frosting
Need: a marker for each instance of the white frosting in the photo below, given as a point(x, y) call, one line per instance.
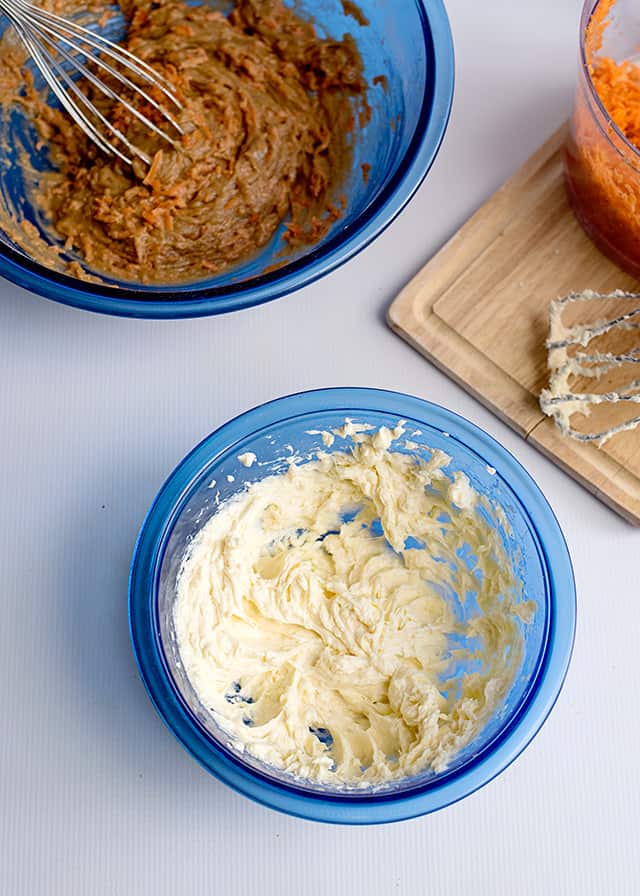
point(328, 438)
point(322, 646)
point(461, 493)
point(247, 459)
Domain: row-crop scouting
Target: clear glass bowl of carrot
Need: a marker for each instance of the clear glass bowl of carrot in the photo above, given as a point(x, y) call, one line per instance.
point(603, 150)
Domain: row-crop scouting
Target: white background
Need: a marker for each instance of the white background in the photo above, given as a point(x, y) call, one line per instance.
point(96, 797)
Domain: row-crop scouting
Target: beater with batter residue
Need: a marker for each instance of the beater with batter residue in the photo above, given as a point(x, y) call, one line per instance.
point(567, 362)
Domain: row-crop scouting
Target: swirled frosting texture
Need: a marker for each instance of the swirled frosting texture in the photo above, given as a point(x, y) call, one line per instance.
point(317, 614)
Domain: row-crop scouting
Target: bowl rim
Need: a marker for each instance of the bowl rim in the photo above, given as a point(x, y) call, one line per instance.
point(386, 807)
point(414, 167)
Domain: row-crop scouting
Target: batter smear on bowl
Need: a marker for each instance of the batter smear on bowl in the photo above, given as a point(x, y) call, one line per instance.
point(269, 112)
point(356, 620)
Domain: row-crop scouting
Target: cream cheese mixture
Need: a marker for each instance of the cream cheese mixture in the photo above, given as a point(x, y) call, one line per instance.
point(316, 616)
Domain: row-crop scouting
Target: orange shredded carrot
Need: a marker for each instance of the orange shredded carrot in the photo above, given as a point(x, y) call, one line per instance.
point(616, 83)
point(618, 86)
point(151, 177)
point(603, 169)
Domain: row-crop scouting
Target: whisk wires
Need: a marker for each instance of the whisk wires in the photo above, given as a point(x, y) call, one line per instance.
point(559, 400)
point(61, 50)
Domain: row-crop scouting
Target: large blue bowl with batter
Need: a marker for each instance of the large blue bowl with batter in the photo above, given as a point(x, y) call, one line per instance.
point(213, 473)
point(408, 43)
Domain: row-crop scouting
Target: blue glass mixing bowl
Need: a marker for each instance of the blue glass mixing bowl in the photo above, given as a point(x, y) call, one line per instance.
point(409, 43)
point(212, 473)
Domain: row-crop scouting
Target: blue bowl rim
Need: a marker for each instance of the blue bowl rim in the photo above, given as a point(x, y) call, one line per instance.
point(167, 303)
point(372, 809)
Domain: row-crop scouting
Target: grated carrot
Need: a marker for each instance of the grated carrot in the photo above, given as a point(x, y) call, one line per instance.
point(603, 169)
point(617, 83)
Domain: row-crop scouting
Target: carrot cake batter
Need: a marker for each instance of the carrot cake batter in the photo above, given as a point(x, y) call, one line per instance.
point(269, 110)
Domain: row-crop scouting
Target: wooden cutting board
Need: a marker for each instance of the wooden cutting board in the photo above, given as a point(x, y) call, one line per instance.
point(479, 311)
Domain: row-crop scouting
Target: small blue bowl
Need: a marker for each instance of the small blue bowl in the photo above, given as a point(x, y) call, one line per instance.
point(408, 43)
point(187, 500)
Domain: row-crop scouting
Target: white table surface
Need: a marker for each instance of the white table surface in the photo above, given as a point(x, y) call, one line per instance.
point(96, 796)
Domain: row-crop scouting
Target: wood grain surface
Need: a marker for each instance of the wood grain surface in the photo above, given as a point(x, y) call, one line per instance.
point(479, 311)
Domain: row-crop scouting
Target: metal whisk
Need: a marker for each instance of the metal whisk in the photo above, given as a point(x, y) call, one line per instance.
point(52, 41)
